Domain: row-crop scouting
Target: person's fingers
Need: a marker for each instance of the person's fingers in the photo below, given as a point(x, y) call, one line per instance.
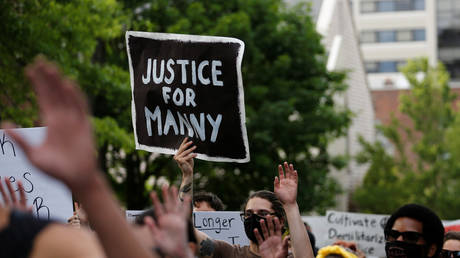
point(166, 198)
point(291, 170)
point(174, 201)
point(188, 151)
point(258, 237)
point(13, 198)
point(22, 195)
point(190, 156)
point(295, 176)
point(276, 182)
point(271, 230)
point(152, 226)
point(285, 243)
point(157, 207)
point(286, 169)
point(26, 147)
point(280, 172)
point(263, 225)
point(277, 223)
point(184, 146)
point(6, 200)
point(41, 88)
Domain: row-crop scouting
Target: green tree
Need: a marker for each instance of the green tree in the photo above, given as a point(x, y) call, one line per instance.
point(288, 91)
point(423, 167)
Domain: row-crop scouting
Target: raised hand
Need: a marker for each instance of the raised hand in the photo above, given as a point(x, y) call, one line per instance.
point(169, 231)
point(271, 245)
point(184, 157)
point(68, 151)
point(10, 200)
point(286, 184)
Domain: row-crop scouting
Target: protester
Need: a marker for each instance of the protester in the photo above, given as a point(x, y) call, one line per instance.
point(206, 201)
point(22, 235)
point(259, 208)
point(202, 201)
point(335, 251)
point(413, 231)
point(69, 155)
point(184, 220)
point(451, 246)
point(79, 218)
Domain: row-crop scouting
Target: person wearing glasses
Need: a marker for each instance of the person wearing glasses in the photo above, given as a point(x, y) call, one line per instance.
point(413, 231)
point(264, 215)
point(451, 247)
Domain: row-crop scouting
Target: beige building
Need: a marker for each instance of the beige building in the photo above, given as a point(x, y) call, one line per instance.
point(335, 23)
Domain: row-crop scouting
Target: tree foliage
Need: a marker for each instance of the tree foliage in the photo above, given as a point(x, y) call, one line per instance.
point(423, 167)
point(288, 91)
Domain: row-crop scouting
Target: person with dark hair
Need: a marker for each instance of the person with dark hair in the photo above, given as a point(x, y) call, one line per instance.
point(413, 231)
point(263, 213)
point(206, 201)
point(451, 247)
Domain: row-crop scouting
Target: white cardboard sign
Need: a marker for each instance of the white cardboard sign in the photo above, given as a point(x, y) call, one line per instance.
point(221, 225)
point(49, 198)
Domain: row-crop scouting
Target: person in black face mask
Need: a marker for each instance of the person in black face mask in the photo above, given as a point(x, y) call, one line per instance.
point(413, 231)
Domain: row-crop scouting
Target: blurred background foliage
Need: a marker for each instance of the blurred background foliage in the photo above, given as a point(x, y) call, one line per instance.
point(290, 108)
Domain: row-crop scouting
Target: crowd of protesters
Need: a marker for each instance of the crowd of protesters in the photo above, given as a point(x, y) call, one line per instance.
point(101, 230)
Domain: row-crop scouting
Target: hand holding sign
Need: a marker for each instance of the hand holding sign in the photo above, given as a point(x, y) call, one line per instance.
point(286, 184)
point(184, 157)
point(11, 200)
point(170, 228)
point(68, 152)
point(271, 245)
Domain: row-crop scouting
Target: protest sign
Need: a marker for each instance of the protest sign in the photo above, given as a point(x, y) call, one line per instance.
point(364, 229)
point(221, 225)
point(188, 85)
point(131, 215)
point(452, 225)
point(48, 197)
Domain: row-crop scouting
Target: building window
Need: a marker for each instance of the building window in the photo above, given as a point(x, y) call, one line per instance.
point(392, 36)
point(419, 35)
point(385, 6)
point(370, 6)
point(387, 36)
point(384, 66)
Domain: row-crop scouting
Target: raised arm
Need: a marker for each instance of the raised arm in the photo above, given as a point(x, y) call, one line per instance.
point(285, 187)
point(184, 159)
point(68, 154)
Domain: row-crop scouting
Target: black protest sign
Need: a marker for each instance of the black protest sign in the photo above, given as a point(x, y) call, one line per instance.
point(187, 85)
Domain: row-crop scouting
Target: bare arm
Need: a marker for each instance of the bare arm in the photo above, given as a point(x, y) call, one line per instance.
point(68, 154)
point(286, 189)
point(184, 159)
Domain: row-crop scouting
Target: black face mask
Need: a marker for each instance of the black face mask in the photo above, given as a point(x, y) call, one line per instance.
point(252, 223)
point(399, 249)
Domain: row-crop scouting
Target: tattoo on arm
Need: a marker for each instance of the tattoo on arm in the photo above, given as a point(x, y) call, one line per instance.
point(186, 189)
point(207, 247)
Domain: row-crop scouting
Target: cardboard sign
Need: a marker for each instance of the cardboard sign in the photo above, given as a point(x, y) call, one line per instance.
point(48, 197)
point(221, 225)
point(364, 229)
point(131, 215)
point(187, 85)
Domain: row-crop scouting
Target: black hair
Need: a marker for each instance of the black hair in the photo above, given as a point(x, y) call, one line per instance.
point(212, 199)
point(433, 230)
point(150, 213)
point(452, 235)
point(277, 206)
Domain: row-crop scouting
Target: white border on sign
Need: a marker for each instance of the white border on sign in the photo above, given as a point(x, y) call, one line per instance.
point(192, 38)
